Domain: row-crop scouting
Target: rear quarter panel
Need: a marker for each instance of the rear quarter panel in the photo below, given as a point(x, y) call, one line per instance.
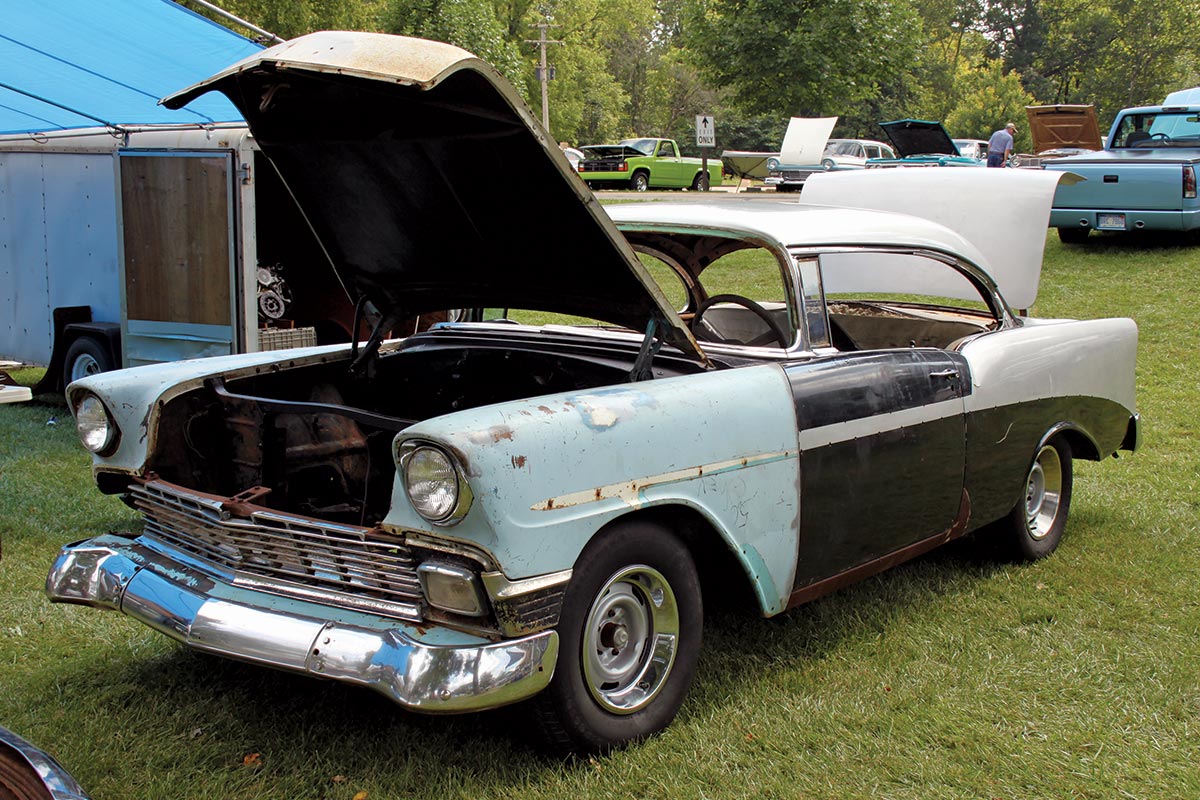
point(1027, 381)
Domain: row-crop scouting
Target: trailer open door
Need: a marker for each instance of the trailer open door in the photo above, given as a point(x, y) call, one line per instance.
point(178, 256)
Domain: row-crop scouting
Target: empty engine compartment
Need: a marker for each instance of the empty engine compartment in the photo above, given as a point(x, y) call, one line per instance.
point(315, 440)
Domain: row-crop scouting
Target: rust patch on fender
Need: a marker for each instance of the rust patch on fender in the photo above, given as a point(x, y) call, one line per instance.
point(499, 432)
point(546, 410)
point(518, 461)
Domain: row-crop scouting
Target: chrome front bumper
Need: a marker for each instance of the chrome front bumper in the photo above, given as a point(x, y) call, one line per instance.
point(430, 670)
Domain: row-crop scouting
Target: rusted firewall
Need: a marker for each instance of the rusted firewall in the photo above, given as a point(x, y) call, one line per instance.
point(318, 461)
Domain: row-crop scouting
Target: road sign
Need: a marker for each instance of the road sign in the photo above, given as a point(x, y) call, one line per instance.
point(706, 131)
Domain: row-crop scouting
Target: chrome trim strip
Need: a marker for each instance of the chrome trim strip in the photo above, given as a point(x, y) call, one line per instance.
point(500, 588)
point(57, 781)
point(381, 654)
point(631, 492)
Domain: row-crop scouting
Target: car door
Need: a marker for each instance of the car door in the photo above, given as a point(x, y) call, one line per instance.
point(881, 438)
point(881, 434)
point(670, 167)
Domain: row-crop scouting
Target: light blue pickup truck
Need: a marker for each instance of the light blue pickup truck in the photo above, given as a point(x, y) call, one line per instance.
point(1144, 178)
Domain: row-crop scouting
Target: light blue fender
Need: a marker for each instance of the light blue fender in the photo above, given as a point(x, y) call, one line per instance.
point(548, 473)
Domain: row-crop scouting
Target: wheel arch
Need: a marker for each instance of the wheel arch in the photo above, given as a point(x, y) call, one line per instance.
point(1083, 444)
point(713, 551)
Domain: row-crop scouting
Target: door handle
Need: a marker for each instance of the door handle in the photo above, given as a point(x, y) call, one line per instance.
point(950, 374)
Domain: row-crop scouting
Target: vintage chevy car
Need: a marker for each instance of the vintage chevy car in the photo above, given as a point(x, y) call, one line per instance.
point(769, 397)
point(923, 143)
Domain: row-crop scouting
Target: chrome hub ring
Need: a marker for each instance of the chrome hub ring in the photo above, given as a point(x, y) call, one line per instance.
point(629, 639)
point(1043, 493)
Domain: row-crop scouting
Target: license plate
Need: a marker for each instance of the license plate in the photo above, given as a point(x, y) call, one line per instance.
point(1110, 222)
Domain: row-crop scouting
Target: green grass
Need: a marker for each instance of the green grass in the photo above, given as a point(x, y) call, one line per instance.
point(950, 677)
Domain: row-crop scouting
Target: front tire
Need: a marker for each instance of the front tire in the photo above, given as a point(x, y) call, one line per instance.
point(629, 639)
point(640, 182)
point(1036, 523)
point(1073, 235)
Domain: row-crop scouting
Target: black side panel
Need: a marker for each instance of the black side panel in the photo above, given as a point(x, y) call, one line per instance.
point(876, 472)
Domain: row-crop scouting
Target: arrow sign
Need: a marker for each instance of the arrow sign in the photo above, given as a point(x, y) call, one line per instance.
point(706, 131)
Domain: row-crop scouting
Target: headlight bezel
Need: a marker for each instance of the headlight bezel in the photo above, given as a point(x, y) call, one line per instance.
point(408, 454)
point(83, 408)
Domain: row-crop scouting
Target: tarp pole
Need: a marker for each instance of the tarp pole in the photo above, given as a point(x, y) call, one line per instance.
point(270, 37)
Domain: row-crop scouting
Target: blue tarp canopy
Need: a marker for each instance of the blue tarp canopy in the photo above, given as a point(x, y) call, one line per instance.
point(82, 63)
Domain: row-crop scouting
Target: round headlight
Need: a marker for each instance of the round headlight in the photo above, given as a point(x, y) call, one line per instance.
point(96, 430)
point(432, 483)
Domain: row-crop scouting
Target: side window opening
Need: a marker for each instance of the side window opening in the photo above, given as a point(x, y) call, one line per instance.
point(880, 300)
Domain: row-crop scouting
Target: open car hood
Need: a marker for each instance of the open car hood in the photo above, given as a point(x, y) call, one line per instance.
point(919, 137)
point(1063, 127)
point(592, 151)
point(391, 146)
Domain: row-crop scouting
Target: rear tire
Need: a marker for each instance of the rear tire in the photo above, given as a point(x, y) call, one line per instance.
point(1073, 235)
point(1036, 523)
point(629, 639)
point(700, 182)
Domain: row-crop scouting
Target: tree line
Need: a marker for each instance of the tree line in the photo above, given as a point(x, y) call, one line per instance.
point(626, 68)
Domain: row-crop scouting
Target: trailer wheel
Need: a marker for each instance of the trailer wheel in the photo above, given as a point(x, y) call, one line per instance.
point(86, 356)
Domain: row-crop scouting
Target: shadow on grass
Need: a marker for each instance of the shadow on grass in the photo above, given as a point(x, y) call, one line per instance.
point(190, 696)
point(1136, 241)
point(740, 648)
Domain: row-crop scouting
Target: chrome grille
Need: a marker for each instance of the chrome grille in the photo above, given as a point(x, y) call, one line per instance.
point(313, 559)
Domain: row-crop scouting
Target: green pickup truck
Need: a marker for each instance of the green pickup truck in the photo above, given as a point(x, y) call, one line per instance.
point(642, 164)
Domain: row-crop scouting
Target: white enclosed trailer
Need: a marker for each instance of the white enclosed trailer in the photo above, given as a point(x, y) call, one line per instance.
point(153, 244)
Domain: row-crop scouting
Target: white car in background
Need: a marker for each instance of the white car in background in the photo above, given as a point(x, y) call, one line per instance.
point(839, 154)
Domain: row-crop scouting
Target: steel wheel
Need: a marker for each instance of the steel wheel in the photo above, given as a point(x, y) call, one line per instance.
point(1043, 491)
point(1035, 525)
point(629, 639)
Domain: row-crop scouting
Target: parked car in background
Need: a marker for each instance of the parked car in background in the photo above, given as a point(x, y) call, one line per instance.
point(747, 163)
point(1058, 131)
point(1143, 179)
point(645, 163)
point(972, 148)
point(492, 511)
point(922, 143)
point(574, 156)
point(838, 154)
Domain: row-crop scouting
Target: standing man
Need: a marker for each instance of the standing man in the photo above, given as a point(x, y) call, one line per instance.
point(1000, 146)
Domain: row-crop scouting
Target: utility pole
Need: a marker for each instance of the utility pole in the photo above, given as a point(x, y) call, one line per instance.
point(543, 69)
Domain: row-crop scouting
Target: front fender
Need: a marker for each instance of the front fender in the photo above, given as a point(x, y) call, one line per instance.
point(549, 472)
